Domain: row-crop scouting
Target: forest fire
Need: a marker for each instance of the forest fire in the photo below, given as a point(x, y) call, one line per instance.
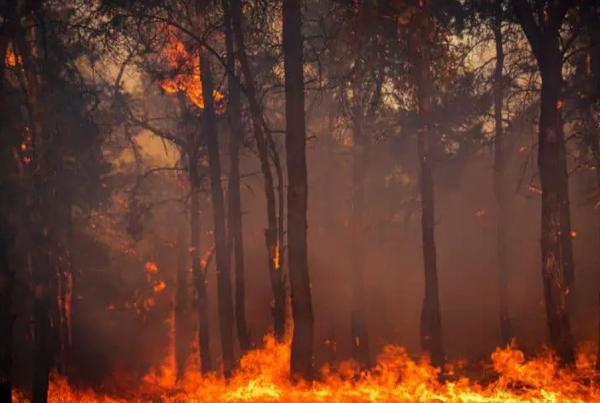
point(263, 376)
point(299, 201)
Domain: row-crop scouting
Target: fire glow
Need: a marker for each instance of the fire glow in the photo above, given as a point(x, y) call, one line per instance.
point(185, 76)
point(263, 376)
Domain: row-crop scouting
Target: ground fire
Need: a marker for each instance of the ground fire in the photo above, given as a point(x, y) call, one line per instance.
point(299, 201)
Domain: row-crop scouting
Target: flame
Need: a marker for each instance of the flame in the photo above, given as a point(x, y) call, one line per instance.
point(263, 376)
point(276, 256)
point(11, 59)
point(187, 78)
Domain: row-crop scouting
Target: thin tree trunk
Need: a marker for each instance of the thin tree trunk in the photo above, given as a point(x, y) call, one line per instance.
point(431, 326)
point(41, 322)
point(236, 240)
point(182, 304)
point(557, 255)
point(499, 181)
point(224, 294)
point(302, 339)
point(7, 276)
point(198, 270)
point(272, 231)
point(360, 335)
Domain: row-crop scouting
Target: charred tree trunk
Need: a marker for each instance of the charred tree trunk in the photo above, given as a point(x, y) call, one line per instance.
point(360, 335)
point(593, 102)
point(7, 276)
point(499, 181)
point(225, 300)
point(272, 232)
point(41, 323)
point(556, 242)
point(236, 240)
point(182, 304)
point(431, 321)
point(198, 270)
point(295, 145)
point(41, 217)
point(557, 255)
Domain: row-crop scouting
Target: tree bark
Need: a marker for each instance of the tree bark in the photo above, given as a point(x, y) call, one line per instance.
point(198, 270)
point(41, 217)
point(557, 255)
point(499, 181)
point(556, 242)
point(182, 304)
point(236, 240)
point(302, 339)
point(224, 295)
point(7, 276)
point(272, 232)
point(431, 326)
point(360, 335)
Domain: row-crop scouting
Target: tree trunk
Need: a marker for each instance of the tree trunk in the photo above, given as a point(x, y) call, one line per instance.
point(556, 242)
point(360, 335)
point(431, 326)
point(41, 321)
point(7, 276)
point(272, 232)
point(235, 203)
point(499, 182)
point(557, 255)
point(197, 268)
point(41, 217)
point(182, 304)
point(225, 300)
point(302, 339)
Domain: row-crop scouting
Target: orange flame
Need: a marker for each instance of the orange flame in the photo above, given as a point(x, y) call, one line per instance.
point(11, 59)
point(263, 376)
point(276, 256)
point(187, 78)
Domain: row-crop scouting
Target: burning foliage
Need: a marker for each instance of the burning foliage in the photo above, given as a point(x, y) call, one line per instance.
point(184, 73)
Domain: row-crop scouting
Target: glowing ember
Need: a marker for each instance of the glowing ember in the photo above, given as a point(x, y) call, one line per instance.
point(159, 286)
point(276, 256)
point(11, 59)
point(151, 268)
point(263, 376)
